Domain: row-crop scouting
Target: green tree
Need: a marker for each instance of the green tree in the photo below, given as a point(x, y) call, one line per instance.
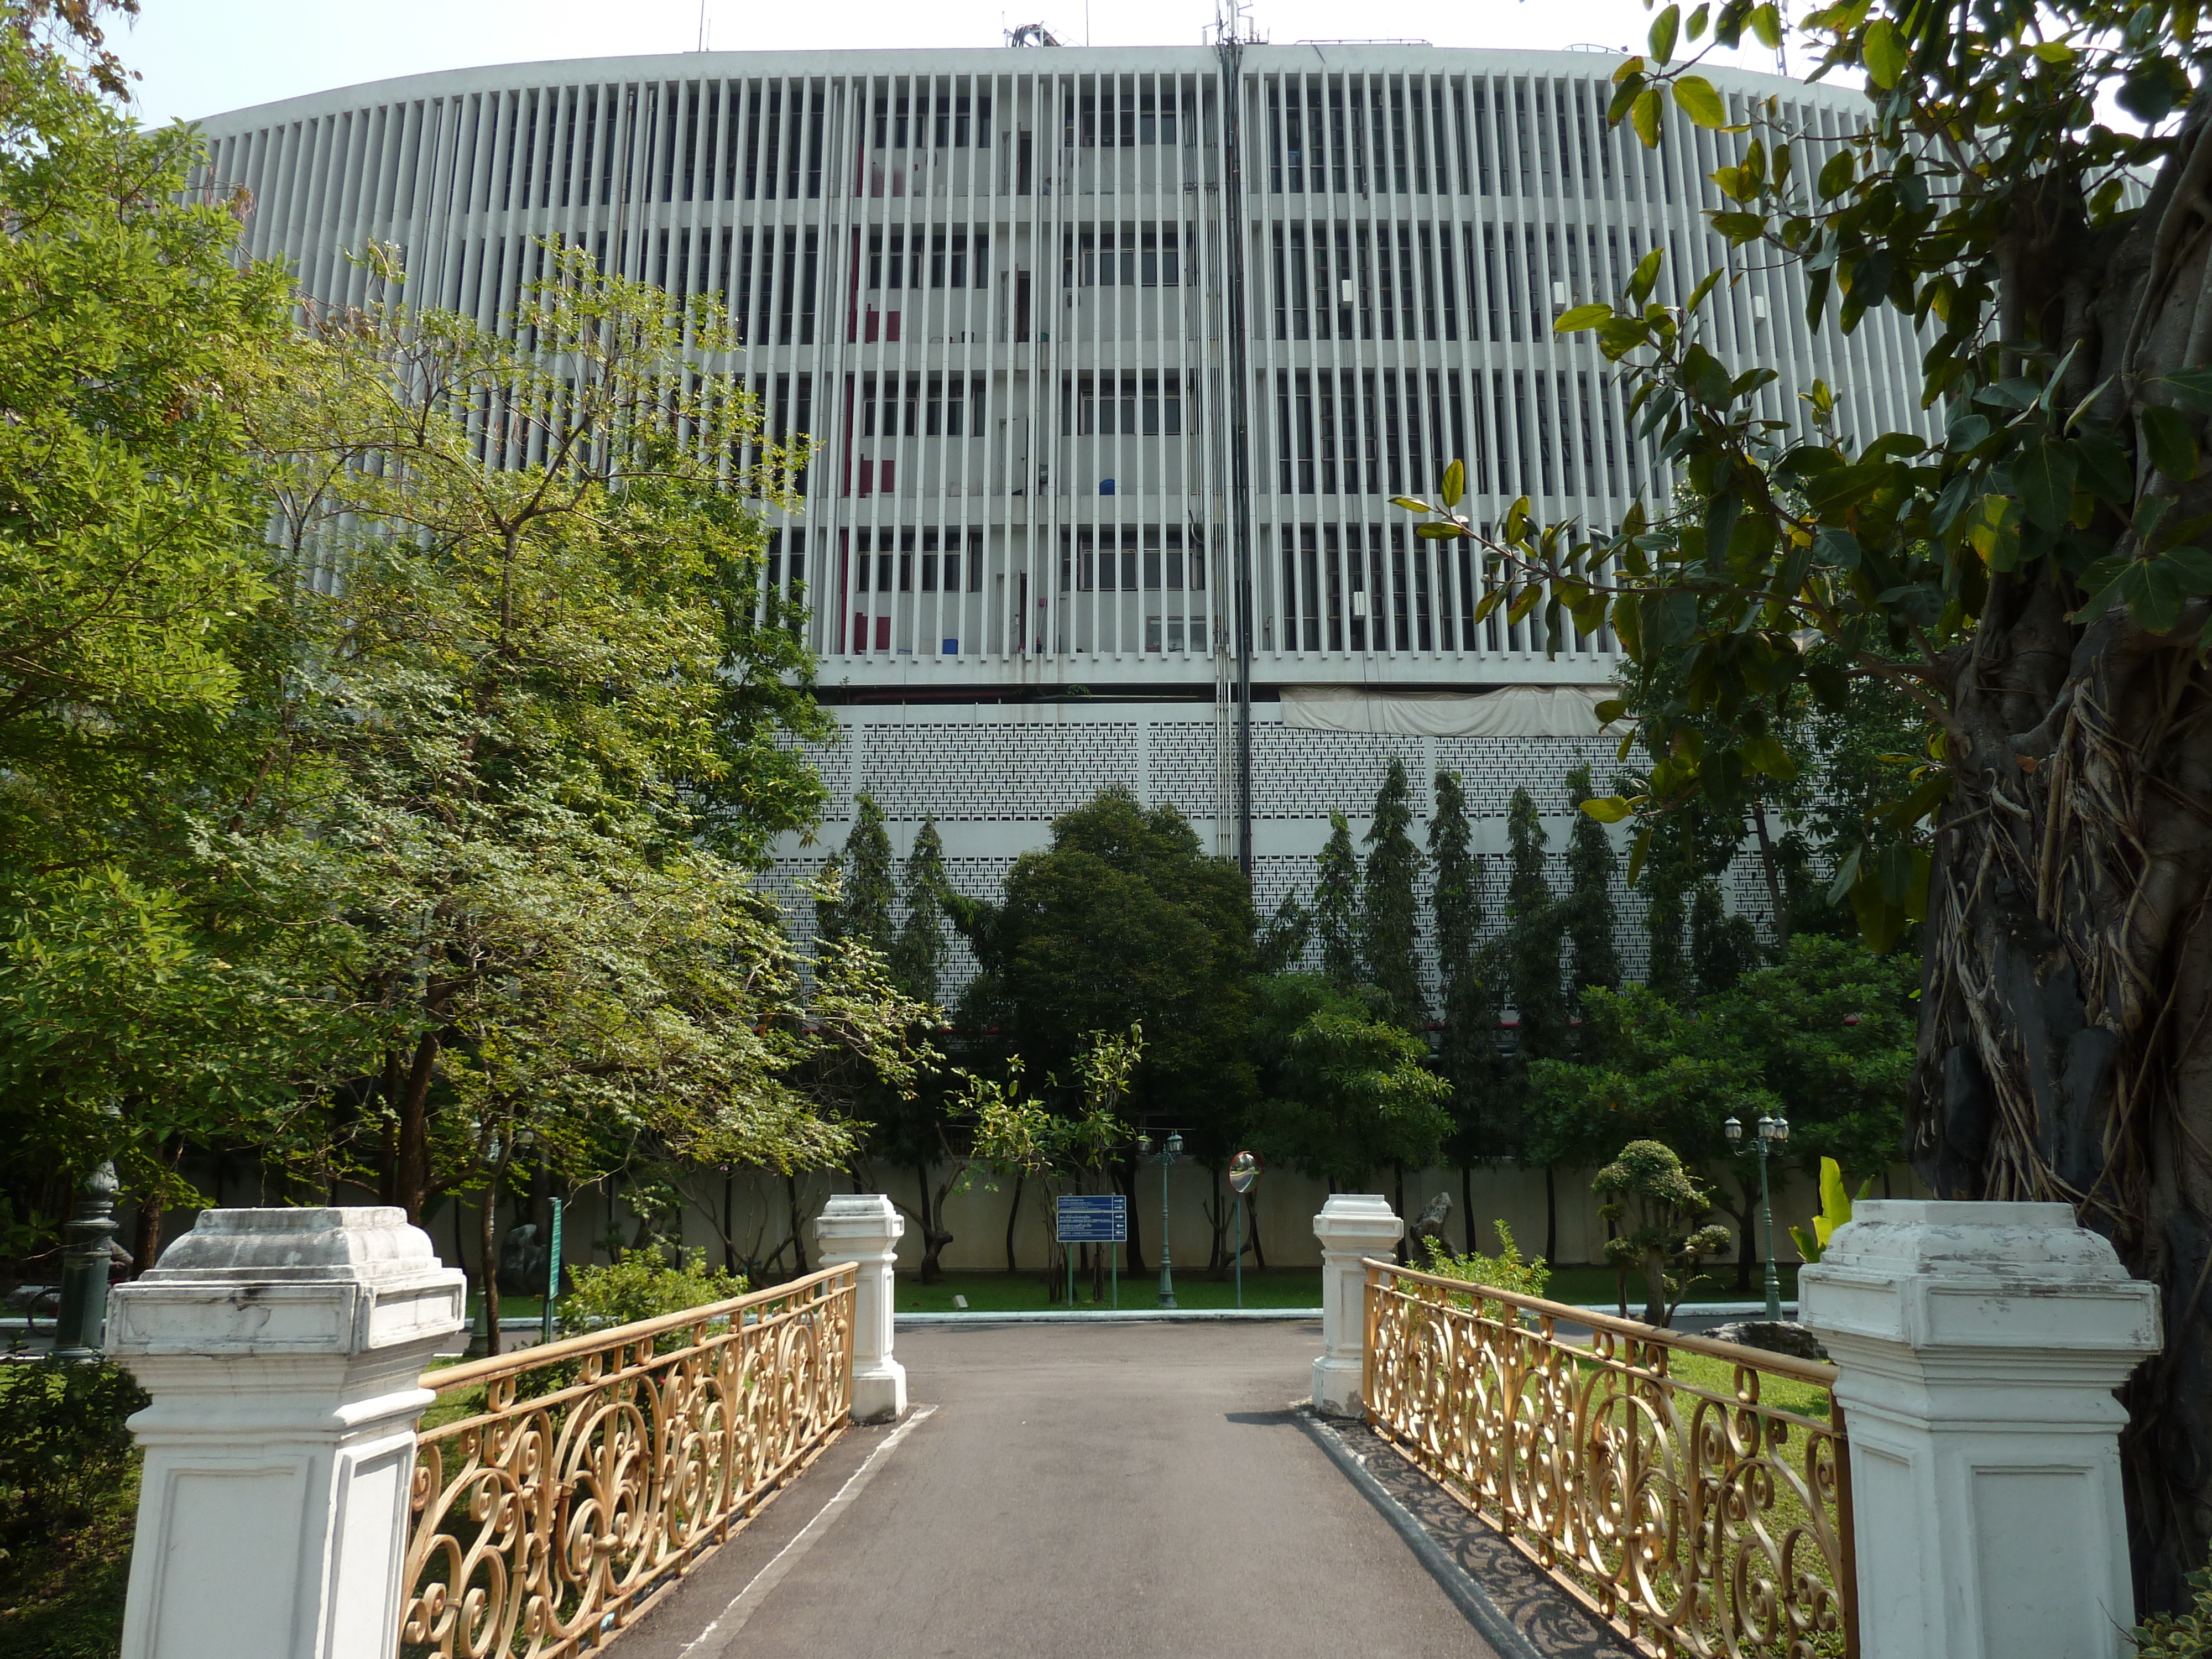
point(1345, 1090)
point(1018, 1133)
point(1659, 1212)
point(1390, 918)
point(914, 1126)
point(1124, 920)
point(1533, 932)
point(1483, 1102)
point(1281, 945)
point(1591, 922)
point(150, 990)
point(864, 907)
point(523, 701)
point(1336, 905)
point(1824, 1037)
point(2033, 579)
point(918, 955)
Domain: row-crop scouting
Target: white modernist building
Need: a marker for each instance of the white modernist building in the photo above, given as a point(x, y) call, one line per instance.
point(1112, 359)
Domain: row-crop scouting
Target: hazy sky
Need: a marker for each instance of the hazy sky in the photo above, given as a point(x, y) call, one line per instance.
point(200, 58)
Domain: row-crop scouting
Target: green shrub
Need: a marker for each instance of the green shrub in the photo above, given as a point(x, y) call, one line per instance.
point(2186, 1635)
point(1505, 1271)
point(63, 1443)
point(643, 1285)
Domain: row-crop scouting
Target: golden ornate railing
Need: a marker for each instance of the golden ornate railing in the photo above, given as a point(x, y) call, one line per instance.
point(1694, 1520)
point(593, 1471)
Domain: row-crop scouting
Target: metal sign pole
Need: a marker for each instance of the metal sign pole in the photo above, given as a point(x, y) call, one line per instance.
point(1240, 1252)
point(552, 1277)
point(1243, 1176)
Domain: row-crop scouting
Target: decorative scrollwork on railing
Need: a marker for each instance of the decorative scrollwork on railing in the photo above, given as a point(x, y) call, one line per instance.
point(582, 1478)
point(1692, 1520)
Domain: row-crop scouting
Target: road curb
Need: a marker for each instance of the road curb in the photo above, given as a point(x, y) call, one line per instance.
point(1455, 1580)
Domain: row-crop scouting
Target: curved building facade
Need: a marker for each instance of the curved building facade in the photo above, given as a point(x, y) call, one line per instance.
point(1112, 358)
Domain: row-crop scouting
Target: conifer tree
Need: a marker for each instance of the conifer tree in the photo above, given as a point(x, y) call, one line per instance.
point(1281, 946)
point(865, 913)
point(1668, 879)
point(1457, 890)
point(1724, 948)
point(1533, 928)
point(830, 901)
point(1336, 905)
point(917, 956)
point(1389, 915)
point(1591, 862)
point(1481, 1101)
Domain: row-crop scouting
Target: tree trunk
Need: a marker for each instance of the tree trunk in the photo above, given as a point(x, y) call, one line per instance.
point(934, 1237)
point(1398, 1203)
point(729, 1223)
point(1467, 1208)
point(1655, 1289)
point(411, 1161)
point(1774, 875)
point(487, 1262)
point(146, 1239)
point(1127, 1180)
point(1551, 1214)
point(1745, 1213)
point(1013, 1209)
point(797, 1227)
point(2067, 987)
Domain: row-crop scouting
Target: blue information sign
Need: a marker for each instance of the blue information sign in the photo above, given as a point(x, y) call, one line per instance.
point(1091, 1218)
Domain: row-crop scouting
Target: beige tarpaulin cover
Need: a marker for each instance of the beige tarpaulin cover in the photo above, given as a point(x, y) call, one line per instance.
point(1512, 711)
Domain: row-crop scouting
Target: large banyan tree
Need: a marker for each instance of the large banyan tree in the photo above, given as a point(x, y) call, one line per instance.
point(2033, 185)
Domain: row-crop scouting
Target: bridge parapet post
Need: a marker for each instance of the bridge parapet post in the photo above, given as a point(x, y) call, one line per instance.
point(1351, 1225)
point(865, 1229)
point(1977, 1347)
point(283, 1349)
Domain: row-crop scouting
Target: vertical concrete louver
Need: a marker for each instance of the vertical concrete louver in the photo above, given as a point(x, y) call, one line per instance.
point(996, 288)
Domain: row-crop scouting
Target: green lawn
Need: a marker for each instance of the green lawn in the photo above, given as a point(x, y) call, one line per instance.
point(1276, 1287)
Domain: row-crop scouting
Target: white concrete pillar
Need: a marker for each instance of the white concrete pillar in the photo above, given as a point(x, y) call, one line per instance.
point(1978, 1346)
point(281, 1348)
point(1351, 1225)
point(865, 1228)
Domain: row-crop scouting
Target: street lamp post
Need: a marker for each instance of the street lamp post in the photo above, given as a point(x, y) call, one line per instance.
point(82, 1322)
point(1773, 1136)
point(1165, 1157)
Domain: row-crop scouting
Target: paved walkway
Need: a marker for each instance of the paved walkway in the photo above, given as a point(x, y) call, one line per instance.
point(1091, 1492)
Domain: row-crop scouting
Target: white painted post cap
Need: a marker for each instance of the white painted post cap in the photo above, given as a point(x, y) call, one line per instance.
point(855, 1220)
point(1358, 1221)
point(330, 1281)
point(1935, 1273)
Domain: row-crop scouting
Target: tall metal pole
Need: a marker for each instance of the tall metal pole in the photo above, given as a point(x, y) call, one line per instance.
point(1767, 1211)
point(552, 1277)
point(1167, 1266)
point(1240, 1252)
point(82, 1324)
point(1240, 375)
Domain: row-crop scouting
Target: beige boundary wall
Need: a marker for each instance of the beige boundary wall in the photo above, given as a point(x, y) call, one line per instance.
point(758, 1205)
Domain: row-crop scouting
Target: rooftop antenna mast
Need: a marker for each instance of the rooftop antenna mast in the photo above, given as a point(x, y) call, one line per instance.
point(702, 24)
